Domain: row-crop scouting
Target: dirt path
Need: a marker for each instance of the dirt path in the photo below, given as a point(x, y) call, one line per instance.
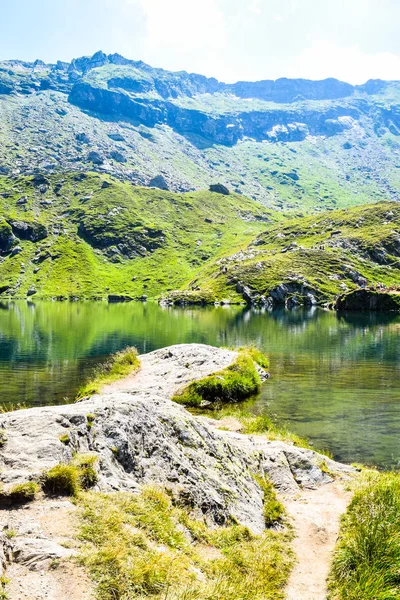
point(315, 516)
point(39, 576)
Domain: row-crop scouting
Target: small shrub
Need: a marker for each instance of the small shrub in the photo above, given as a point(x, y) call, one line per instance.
point(64, 439)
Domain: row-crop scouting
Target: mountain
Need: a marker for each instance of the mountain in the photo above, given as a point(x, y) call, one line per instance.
point(291, 144)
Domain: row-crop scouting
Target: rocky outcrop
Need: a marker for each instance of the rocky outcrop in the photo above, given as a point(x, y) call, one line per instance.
point(29, 230)
point(141, 436)
point(219, 188)
point(376, 300)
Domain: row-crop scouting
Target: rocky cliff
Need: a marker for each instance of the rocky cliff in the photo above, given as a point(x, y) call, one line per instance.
point(185, 130)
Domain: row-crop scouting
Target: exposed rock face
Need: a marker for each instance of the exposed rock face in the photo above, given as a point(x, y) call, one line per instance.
point(6, 236)
point(142, 437)
point(29, 230)
point(361, 300)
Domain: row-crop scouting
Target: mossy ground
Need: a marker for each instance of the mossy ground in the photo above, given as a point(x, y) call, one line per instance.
point(142, 546)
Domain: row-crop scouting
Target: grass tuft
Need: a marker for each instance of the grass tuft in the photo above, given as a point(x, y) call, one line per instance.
point(65, 439)
point(62, 480)
point(119, 365)
point(70, 479)
point(273, 508)
point(20, 493)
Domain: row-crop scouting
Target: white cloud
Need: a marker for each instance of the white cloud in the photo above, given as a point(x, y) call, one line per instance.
point(325, 59)
point(176, 28)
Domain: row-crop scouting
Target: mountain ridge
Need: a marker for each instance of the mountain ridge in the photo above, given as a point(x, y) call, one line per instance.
point(181, 131)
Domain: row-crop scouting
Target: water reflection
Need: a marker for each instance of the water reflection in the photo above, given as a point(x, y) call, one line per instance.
point(335, 379)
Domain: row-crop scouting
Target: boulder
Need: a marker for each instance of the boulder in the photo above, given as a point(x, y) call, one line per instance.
point(38, 552)
point(118, 156)
point(218, 188)
point(6, 236)
point(159, 182)
point(95, 158)
point(119, 298)
point(83, 138)
point(29, 230)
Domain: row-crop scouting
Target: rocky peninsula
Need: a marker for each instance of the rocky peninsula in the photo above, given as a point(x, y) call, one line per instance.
point(139, 438)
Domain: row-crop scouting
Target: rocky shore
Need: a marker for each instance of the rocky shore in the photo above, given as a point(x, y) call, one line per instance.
point(141, 437)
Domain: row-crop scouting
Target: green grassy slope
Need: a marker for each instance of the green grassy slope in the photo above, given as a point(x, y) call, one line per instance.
point(322, 255)
point(87, 235)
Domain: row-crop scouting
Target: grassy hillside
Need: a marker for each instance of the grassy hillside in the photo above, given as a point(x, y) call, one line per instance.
point(308, 259)
point(86, 235)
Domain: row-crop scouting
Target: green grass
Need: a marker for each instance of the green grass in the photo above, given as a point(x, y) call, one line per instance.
point(142, 546)
point(122, 240)
point(69, 479)
point(261, 424)
point(20, 493)
point(120, 365)
point(237, 382)
point(273, 508)
point(367, 556)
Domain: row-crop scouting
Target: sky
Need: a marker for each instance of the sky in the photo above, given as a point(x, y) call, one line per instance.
point(232, 40)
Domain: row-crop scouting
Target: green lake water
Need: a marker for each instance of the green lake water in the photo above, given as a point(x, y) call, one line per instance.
point(335, 379)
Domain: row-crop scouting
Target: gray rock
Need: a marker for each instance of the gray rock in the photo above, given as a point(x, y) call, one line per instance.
point(118, 156)
point(218, 188)
point(38, 553)
point(142, 437)
point(159, 182)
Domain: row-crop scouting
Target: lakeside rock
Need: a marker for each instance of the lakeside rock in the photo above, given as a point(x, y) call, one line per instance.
point(141, 437)
point(364, 300)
